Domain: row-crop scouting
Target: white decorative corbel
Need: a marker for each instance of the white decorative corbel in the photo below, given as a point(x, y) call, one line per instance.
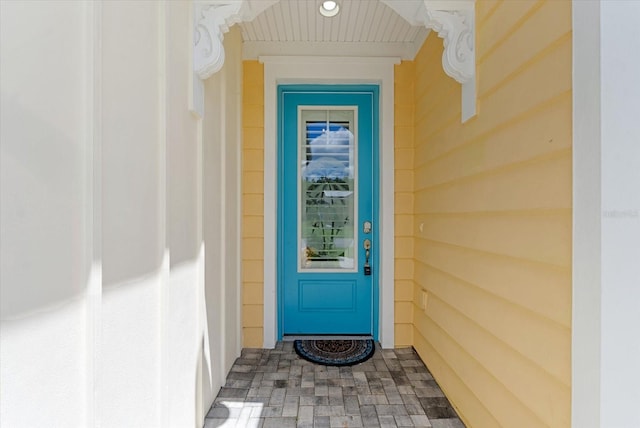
point(456, 28)
point(454, 22)
point(213, 18)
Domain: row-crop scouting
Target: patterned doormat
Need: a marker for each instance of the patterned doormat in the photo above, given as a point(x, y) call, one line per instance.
point(335, 352)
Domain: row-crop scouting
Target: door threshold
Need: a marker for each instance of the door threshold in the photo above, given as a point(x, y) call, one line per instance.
point(292, 337)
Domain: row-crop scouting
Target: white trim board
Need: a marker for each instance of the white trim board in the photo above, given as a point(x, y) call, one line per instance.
point(333, 70)
point(404, 50)
point(606, 215)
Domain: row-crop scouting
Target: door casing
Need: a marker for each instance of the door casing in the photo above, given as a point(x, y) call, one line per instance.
point(325, 70)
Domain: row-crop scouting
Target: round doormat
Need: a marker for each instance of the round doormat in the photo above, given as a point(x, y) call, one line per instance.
point(335, 352)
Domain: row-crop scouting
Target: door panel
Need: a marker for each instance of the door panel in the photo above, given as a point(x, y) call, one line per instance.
point(327, 143)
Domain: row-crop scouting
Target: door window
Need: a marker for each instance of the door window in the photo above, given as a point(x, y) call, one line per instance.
point(327, 196)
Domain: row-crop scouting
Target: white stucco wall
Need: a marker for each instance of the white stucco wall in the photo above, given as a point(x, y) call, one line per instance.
point(133, 215)
point(221, 184)
point(44, 220)
point(103, 247)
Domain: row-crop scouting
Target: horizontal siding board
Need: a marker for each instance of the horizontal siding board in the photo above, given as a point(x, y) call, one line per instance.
point(403, 137)
point(404, 292)
point(404, 247)
point(544, 82)
point(404, 74)
point(253, 115)
point(252, 315)
point(252, 72)
point(403, 181)
point(253, 93)
point(437, 105)
point(253, 137)
point(253, 182)
point(541, 395)
point(404, 159)
point(484, 10)
point(404, 312)
point(252, 337)
point(445, 115)
point(504, 21)
point(253, 248)
point(403, 335)
point(539, 238)
point(539, 288)
point(253, 160)
point(507, 410)
point(253, 271)
point(404, 225)
point(428, 76)
point(253, 204)
point(253, 226)
point(404, 202)
point(403, 114)
point(524, 331)
point(510, 55)
point(492, 219)
point(540, 133)
point(529, 186)
point(252, 293)
point(404, 94)
point(404, 269)
point(455, 389)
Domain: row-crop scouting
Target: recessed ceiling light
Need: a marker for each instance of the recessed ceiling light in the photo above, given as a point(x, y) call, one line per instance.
point(329, 8)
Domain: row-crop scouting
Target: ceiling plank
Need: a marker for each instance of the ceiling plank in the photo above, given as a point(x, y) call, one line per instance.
point(359, 21)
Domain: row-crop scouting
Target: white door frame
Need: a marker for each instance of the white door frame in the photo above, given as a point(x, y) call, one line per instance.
point(330, 70)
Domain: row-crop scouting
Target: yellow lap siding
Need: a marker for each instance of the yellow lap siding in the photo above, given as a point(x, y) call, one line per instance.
point(455, 387)
point(534, 185)
point(505, 18)
point(534, 89)
point(252, 204)
point(404, 181)
point(528, 333)
point(540, 288)
point(492, 220)
point(541, 133)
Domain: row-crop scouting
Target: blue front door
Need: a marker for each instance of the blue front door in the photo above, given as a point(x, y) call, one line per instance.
point(327, 230)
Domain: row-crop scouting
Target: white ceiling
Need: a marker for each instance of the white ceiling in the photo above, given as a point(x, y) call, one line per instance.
point(363, 28)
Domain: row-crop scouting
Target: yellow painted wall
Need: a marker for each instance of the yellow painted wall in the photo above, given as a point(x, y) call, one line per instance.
point(404, 76)
point(252, 204)
point(492, 220)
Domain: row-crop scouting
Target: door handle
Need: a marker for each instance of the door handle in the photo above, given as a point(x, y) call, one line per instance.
point(367, 247)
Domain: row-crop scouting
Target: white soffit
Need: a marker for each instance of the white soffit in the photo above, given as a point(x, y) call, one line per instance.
point(362, 28)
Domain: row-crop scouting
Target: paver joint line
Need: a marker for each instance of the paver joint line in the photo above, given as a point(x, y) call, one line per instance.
point(276, 388)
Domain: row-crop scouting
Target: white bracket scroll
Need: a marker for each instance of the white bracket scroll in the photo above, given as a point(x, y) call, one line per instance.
point(211, 19)
point(454, 22)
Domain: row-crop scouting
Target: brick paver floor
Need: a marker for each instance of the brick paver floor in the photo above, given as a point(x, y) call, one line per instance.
point(276, 388)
